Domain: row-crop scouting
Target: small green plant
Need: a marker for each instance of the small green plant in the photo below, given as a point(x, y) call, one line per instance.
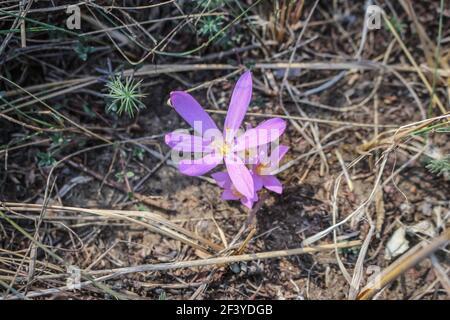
point(439, 166)
point(162, 296)
point(45, 159)
point(138, 153)
point(83, 51)
point(141, 207)
point(120, 176)
point(125, 96)
point(87, 109)
point(351, 251)
point(399, 26)
point(58, 141)
point(209, 26)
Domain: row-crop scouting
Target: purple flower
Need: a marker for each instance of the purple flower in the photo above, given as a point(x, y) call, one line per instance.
point(216, 146)
point(262, 175)
point(223, 180)
point(262, 171)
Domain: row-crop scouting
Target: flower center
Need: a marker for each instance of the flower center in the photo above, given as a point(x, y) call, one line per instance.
point(262, 169)
point(225, 149)
point(222, 148)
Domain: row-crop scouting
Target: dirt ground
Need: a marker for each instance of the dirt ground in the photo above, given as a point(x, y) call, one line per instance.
point(350, 156)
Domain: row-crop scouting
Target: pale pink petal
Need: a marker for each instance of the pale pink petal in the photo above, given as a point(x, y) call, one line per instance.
point(272, 183)
point(240, 176)
point(186, 142)
point(240, 100)
point(191, 111)
point(266, 132)
point(198, 167)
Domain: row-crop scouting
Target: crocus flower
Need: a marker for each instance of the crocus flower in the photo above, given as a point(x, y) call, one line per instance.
point(262, 174)
point(262, 171)
point(223, 180)
point(217, 146)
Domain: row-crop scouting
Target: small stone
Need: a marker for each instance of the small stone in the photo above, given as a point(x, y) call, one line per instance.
point(397, 244)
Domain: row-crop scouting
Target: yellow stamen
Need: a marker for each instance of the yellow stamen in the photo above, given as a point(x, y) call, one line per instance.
point(222, 148)
point(225, 149)
point(262, 169)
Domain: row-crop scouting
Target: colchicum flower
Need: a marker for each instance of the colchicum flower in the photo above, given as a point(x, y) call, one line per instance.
point(262, 174)
point(230, 192)
point(227, 146)
point(262, 171)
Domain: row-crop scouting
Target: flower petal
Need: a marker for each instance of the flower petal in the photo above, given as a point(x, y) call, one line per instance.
point(240, 175)
point(264, 133)
point(198, 167)
point(222, 179)
point(272, 183)
point(277, 154)
point(187, 143)
point(240, 100)
point(247, 202)
point(227, 194)
point(258, 182)
point(191, 111)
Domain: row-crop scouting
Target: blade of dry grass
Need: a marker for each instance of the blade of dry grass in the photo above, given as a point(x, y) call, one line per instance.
point(405, 262)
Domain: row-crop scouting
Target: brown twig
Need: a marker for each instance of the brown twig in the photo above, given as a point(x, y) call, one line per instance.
point(407, 261)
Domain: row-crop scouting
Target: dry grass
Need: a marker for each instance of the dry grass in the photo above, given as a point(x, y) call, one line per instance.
point(367, 110)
